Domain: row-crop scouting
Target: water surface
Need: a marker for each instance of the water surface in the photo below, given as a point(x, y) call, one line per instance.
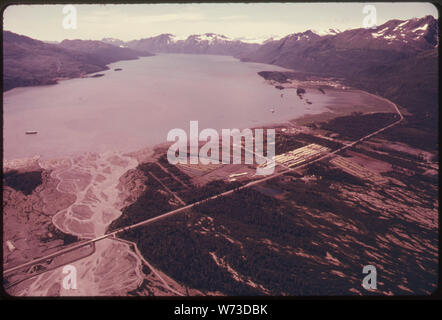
point(136, 107)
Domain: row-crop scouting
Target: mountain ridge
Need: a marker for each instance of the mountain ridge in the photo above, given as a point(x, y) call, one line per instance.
point(385, 60)
point(207, 43)
point(211, 43)
point(30, 62)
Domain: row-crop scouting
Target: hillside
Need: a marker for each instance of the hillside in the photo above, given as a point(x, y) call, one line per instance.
point(29, 62)
point(351, 50)
point(106, 52)
point(397, 60)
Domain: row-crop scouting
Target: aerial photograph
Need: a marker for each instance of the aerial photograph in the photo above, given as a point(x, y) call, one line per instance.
point(220, 150)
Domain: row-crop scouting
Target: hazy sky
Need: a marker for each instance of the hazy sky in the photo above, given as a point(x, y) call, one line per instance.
point(128, 22)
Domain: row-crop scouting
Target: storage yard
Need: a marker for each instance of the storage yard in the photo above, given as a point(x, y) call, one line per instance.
point(300, 155)
point(357, 170)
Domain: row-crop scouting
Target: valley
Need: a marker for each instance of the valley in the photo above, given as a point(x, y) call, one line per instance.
point(355, 180)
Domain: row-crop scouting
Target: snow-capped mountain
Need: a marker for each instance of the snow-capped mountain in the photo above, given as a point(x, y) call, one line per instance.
point(397, 60)
point(208, 43)
point(259, 40)
point(303, 36)
point(114, 41)
point(210, 38)
point(358, 48)
point(395, 35)
point(270, 49)
point(163, 43)
point(408, 35)
point(419, 31)
point(329, 31)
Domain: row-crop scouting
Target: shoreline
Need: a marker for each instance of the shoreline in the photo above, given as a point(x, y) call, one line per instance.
point(331, 111)
point(142, 155)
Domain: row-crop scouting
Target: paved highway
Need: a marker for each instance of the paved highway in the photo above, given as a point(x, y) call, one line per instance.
point(189, 206)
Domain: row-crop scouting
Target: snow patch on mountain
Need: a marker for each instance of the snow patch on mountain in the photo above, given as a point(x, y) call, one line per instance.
point(254, 40)
point(399, 26)
point(212, 38)
point(420, 28)
point(326, 32)
point(413, 30)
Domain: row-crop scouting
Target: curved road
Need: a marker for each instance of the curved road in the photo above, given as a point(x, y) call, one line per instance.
point(189, 206)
